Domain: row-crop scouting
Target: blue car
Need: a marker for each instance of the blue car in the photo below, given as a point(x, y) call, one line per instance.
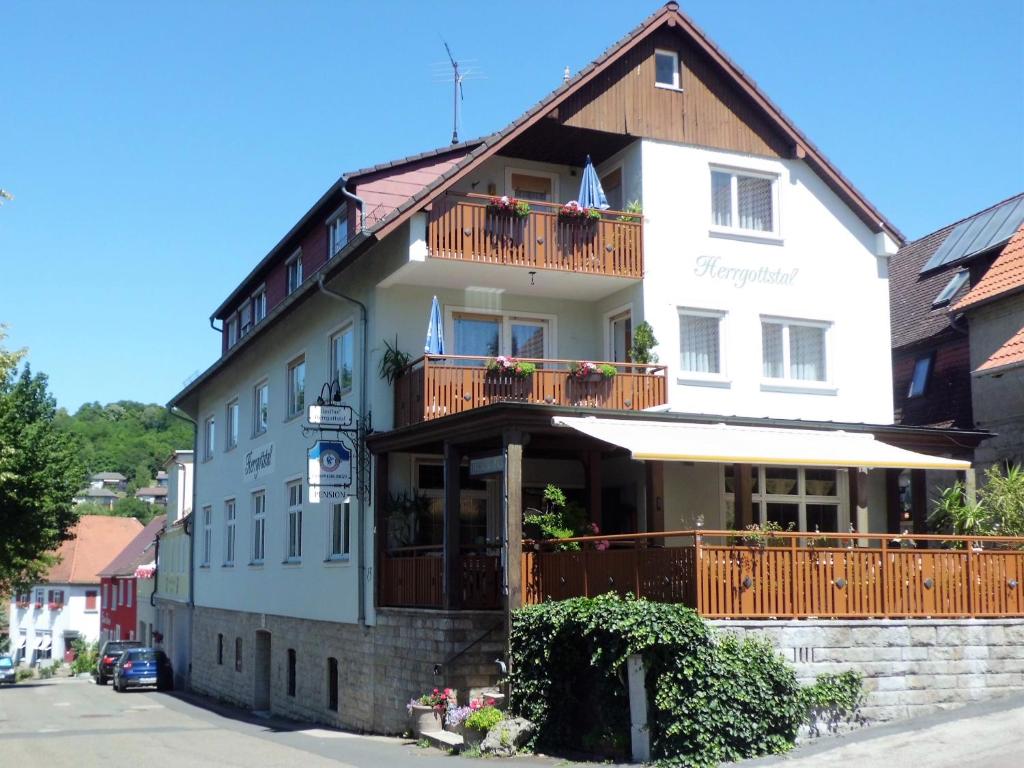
point(138, 667)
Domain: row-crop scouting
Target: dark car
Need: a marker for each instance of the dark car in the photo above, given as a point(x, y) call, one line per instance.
point(143, 666)
point(8, 674)
point(111, 651)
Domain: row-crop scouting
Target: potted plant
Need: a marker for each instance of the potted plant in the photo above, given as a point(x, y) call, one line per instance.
point(574, 212)
point(583, 370)
point(634, 211)
point(427, 712)
point(510, 366)
point(511, 206)
point(644, 342)
point(394, 362)
point(481, 719)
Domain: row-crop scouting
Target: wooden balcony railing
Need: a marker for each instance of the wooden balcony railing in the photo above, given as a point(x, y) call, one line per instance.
point(902, 576)
point(441, 385)
point(413, 577)
point(461, 226)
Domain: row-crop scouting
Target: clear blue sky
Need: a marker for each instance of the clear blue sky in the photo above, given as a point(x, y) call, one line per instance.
point(157, 151)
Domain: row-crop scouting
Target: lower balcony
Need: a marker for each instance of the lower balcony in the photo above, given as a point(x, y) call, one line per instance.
point(441, 385)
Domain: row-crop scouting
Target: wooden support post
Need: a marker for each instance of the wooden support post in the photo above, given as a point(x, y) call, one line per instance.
point(452, 554)
point(893, 508)
point(971, 485)
point(594, 487)
point(858, 481)
point(513, 445)
point(654, 472)
point(918, 500)
point(743, 486)
point(380, 527)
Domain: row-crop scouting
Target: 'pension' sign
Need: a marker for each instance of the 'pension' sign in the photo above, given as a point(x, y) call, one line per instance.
point(258, 462)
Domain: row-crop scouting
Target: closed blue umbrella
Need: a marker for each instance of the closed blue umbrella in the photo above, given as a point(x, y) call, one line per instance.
point(591, 193)
point(435, 331)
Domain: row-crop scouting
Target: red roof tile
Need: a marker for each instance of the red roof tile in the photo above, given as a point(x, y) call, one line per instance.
point(1011, 353)
point(97, 539)
point(1006, 275)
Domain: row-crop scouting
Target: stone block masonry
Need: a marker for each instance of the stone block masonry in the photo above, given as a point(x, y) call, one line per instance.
point(910, 667)
point(379, 668)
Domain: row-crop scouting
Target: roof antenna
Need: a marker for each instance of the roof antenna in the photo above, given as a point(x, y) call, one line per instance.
point(456, 93)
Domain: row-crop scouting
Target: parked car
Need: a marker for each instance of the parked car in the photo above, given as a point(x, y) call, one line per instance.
point(143, 666)
point(111, 651)
point(8, 674)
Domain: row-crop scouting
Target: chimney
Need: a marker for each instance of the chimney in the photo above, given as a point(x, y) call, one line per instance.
point(565, 75)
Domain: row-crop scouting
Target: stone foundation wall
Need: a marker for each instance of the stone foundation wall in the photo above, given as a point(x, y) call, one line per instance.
point(380, 668)
point(910, 667)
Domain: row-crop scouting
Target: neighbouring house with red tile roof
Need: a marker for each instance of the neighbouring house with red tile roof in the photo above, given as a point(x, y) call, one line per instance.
point(66, 604)
point(119, 584)
point(994, 309)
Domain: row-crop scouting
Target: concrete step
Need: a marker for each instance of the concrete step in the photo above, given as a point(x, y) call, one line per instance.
point(444, 740)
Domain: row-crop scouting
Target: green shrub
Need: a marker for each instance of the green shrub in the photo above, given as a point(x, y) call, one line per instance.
point(832, 699)
point(86, 656)
point(46, 673)
point(483, 719)
point(712, 699)
point(24, 673)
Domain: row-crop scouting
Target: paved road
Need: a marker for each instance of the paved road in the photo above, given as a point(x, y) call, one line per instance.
point(985, 735)
point(75, 723)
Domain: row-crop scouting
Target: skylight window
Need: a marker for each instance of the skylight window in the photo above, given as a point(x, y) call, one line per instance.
point(955, 284)
point(919, 381)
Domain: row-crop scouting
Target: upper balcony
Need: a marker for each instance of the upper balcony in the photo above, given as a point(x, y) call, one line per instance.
point(467, 227)
point(440, 385)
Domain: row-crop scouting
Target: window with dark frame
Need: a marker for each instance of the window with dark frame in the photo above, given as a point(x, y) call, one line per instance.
point(238, 654)
point(922, 373)
point(291, 671)
point(220, 649)
point(332, 684)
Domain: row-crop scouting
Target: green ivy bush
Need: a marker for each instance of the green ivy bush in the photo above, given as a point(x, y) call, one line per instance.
point(712, 698)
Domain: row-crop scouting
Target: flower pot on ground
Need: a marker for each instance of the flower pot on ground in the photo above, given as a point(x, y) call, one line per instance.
point(422, 719)
point(479, 722)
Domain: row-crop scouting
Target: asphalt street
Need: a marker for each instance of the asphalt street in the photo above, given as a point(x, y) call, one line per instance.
point(74, 722)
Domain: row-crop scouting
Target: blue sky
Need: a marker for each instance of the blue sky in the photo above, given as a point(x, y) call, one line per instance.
point(157, 151)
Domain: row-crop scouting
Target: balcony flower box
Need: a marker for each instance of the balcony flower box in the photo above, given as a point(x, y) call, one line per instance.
point(54, 606)
point(573, 212)
point(38, 606)
point(510, 366)
point(509, 206)
point(22, 603)
point(582, 370)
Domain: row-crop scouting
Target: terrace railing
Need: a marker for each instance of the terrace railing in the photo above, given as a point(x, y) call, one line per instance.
point(440, 385)
point(464, 227)
point(730, 574)
point(413, 577)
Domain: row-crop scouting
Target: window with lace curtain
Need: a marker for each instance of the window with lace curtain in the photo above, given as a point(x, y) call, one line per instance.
point(794, 351)
point(744, 201)
point(700, 343)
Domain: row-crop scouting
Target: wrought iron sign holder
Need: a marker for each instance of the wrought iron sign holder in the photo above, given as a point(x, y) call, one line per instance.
point(344, 425)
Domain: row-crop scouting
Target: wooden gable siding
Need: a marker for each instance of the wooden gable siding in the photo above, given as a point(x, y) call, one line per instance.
point(947, 397)
point(710, 111)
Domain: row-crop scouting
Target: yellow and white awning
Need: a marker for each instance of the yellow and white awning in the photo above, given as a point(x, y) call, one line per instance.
point(724, 443)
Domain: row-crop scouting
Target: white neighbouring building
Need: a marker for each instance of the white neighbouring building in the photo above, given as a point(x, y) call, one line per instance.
point(761, 270)
point(48, 617)
point(171, 583)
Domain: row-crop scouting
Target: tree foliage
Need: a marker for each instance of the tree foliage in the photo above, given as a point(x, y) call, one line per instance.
point(999, 509)
point(40, 470)
point(127, 437)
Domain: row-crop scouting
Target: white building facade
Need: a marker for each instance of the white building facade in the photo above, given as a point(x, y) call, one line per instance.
point(46, 619)
point(170, 587)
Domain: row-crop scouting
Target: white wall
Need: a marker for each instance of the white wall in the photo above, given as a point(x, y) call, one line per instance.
point(838, 279)
point(72, 617)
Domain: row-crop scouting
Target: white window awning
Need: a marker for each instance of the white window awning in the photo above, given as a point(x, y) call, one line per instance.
point(21, 642)
point(724, 443)
point(45, 643)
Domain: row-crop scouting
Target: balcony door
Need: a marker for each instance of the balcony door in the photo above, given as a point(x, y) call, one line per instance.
point(536, 185)
point(485, 336)
point(620, 336)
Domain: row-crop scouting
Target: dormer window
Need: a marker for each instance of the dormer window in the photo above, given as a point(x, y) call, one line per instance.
point(259, 305)
point(666, 69)
point(232, 331)
point(245, 318)
point(337, 228)
point(293, 272)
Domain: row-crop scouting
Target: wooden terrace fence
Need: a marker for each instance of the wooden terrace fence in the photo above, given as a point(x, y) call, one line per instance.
point(413, 577)
point(462, 227)
point(722, 576)
point(440, 385)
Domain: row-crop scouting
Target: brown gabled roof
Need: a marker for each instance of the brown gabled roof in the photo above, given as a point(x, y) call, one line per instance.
point(671, 16)
point(1005, 276)
point(136, 552)
point(912, 317)
point(1009, 355)
point(97, 538)
point(154, 490)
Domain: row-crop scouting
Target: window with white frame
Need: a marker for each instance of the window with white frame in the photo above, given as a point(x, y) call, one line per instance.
point(342, 359)
point(232, 331)
point(259, 526)
point(700, 342)
point(207, 535)
point(245, 317)
point(293, 272)
point(129, 589)
point(209, 435)
point(794, 351)
point(337, 229)
point(744, 201)
point(666, 69)
point(486, 335)
point(260, 408)
point(806, 499)
point(229, 531)
point(296, 386)
point(294, 550)
point(339, 534)
point(259, 305)
point(231, 425)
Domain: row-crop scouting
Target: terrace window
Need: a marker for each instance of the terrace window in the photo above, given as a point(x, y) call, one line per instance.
point(809, 499)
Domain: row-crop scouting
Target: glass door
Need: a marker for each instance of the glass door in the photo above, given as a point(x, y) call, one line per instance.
point(620, 337)
point(527, 338)
point(478, 335)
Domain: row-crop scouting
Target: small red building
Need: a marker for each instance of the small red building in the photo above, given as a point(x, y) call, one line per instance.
point(118, 584)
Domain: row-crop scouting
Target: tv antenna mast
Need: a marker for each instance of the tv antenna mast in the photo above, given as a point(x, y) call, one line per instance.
point(456, 92)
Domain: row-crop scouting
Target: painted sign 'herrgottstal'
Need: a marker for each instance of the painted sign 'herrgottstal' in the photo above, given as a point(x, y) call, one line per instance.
point(258, 462)
point(709, 266)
